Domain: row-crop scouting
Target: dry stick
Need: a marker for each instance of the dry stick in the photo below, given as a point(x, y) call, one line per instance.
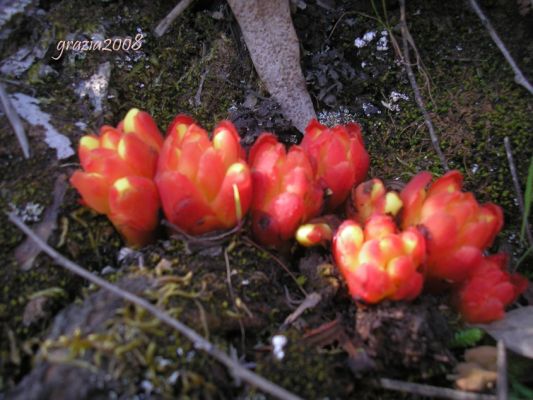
point(502, 388)
point(199, 342)
point(15, 121)
point(198, 97)
point(518, 75)
point(163, 25)
point(516, 183)
point(431, 391)
point(416, 90)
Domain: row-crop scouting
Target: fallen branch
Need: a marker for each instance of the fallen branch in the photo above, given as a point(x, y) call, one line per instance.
point(15, 121)
point(516, 184)
point(431, 391)
point(518, 75)
point(201, 344)
point(163, 25)
point(412, 79)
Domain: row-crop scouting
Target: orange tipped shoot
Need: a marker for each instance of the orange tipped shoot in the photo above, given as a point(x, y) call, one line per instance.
point(112, 163)
point(285, 192)
point(204, 185)
point(314, 234)
point(456, 226)
point(338, 157)
point(377, 262)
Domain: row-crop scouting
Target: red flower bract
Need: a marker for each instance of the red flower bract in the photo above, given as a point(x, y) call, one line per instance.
point(456, 227)
point(378, 263)
point(482, 298)
point(203, 185)
point(285, 192)
point(118, 167)
point(338, 158)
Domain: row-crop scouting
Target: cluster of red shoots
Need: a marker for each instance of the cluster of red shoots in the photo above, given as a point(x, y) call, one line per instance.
point(391, 244)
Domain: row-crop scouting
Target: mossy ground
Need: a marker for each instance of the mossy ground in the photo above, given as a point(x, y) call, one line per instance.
point(472, 98)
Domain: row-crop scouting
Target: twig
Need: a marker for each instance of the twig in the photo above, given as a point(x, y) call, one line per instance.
point(277, 260)
point(516, 183)
point(163, 25)
point(339, 20)
point(228, 277)
point(416, 90)
point(198, 97)
point(199, 342)
point(15, 121)
point(502, 388)
point(431, 391)
point(518, 75)
point(310, 301)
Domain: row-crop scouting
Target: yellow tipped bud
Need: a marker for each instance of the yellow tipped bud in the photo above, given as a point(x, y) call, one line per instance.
point(129, 120)
point(371, 253)
point(386, 245)
point(236, 168)
point(309, 235)
point(377, 189)
point(353, 233)
point(218, 140)
point(107, 143)
point(393, 203)
point(409, 243)
point(122, 185)
point(89, 142)
point(181, 129)
point(121, 150)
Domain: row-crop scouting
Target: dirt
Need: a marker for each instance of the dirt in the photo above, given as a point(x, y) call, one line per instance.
point(62, 338)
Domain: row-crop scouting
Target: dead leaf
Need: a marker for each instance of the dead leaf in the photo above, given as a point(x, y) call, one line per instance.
point(473, 378)
point(35, 310)
point(484, 356)
point(515, 330)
